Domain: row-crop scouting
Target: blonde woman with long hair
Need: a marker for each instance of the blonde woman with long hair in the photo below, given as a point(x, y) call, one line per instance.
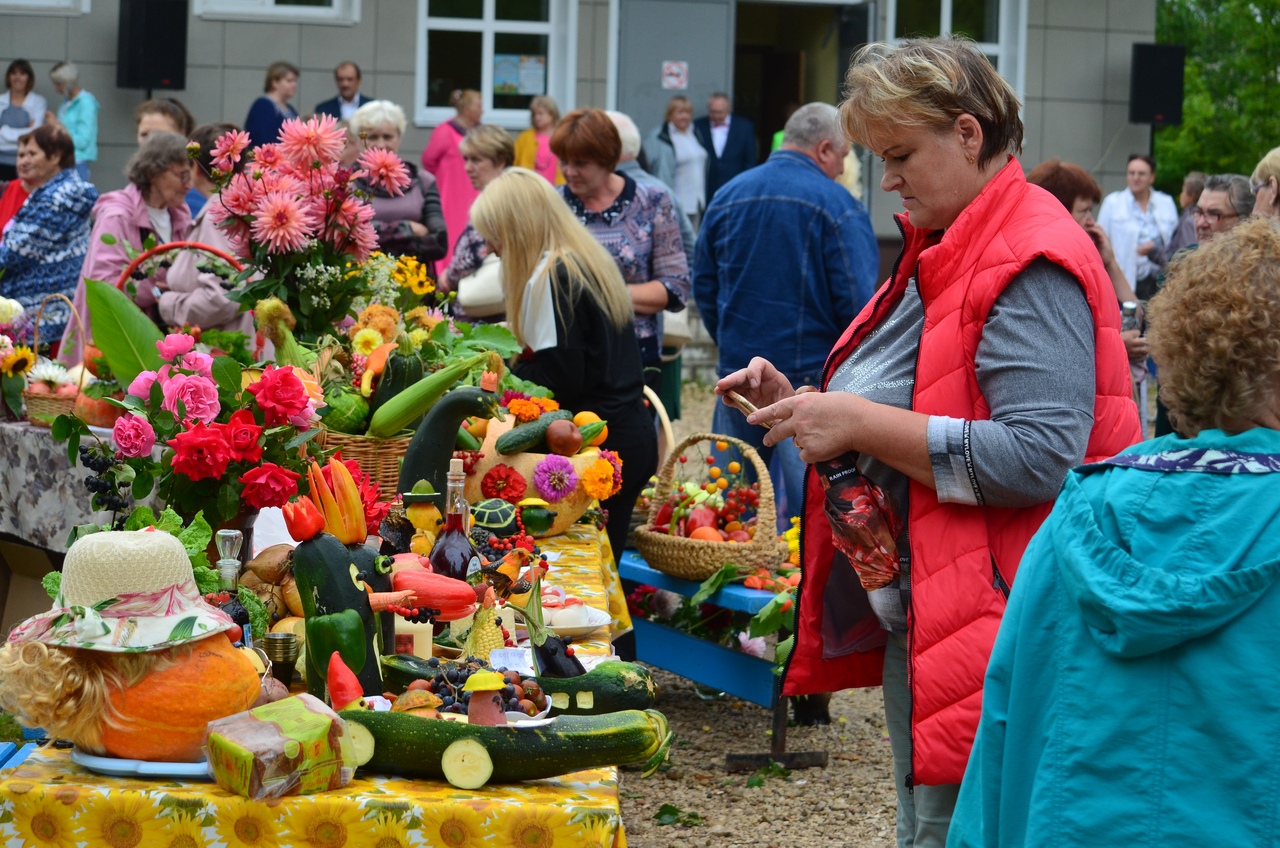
point(568, 305)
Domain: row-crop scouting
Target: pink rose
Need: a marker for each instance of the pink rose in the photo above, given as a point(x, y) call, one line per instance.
point(134, 436)
point(281, 395)
point(199, 396)
point(174, 345)
point(269, 485)
point(201, 363)
point(141, 385)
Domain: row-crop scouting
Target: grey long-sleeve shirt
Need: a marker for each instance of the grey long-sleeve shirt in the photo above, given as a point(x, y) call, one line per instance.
point(1036, 369)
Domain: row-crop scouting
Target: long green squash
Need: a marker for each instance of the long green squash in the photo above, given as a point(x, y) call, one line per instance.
point(468, 756)
point(610, 687)
point(402, 410)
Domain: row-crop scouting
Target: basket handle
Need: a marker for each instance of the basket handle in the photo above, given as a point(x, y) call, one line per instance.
point(176, 245)
point(766, 509)
point(75, 313)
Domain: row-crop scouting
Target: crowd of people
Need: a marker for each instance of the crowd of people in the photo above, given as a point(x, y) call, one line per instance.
point(1062, 589)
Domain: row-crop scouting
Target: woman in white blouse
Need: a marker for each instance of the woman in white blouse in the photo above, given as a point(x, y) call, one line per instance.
point(675, 156)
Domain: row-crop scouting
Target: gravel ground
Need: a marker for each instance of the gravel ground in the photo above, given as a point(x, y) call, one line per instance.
point(851, 802)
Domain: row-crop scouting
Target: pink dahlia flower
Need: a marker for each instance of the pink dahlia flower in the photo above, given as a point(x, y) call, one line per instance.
point(281, 222)
point(385, 170)
point(227, 150)
point(317, 140)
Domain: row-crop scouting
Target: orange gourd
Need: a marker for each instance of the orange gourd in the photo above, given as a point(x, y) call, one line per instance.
point(96, 412)
point(163, 717)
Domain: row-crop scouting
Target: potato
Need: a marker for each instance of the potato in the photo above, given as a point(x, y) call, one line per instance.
point(272, 564)
point(292, 597)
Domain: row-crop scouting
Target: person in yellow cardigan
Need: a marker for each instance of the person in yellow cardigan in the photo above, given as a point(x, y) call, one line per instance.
point(533, 146)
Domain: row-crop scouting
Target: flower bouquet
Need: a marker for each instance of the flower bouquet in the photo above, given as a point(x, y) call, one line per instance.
point(295, 216)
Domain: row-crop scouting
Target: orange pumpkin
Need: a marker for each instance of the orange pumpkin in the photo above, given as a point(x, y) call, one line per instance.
point(165, 714)
point(97, 413)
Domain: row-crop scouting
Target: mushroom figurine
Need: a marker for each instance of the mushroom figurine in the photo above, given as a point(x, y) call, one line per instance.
point(486, 707)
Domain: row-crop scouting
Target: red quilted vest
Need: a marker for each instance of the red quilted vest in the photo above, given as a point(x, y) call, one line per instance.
point(956, 549)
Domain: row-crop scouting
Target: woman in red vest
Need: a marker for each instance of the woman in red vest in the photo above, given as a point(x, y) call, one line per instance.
point(987, 365)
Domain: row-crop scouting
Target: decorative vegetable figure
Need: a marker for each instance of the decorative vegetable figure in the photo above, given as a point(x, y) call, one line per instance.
point(344, 687)
point(427, 457)
point(486, 708)
point(338, 605)
point(552, 656)
point(485, 634)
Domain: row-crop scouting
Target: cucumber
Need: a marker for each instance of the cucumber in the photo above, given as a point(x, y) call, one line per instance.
point(424, 748)
point(608, 688)
point(530, 436)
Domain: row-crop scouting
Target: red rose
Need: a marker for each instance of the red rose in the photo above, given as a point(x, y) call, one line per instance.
point(503, 481)
point(281, 395)
point(269, 485)
point(200, 452)
point(242, 434)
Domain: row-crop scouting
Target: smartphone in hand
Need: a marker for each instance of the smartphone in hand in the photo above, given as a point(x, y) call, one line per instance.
point(744, 406)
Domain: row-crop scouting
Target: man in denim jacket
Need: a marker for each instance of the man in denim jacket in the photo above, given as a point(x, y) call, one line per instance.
point(785, 260)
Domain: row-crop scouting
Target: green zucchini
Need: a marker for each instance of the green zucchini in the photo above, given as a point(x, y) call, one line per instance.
point(406, 407)
point(466, 441)
point(468, 756)
point(530, 436)
point(401, 372)
point(427, 457)
point(608, 688)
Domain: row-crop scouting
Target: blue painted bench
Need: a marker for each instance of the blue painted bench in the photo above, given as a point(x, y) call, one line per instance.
point(720, 668)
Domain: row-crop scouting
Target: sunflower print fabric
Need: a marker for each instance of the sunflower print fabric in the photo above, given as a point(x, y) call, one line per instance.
point(49, 802)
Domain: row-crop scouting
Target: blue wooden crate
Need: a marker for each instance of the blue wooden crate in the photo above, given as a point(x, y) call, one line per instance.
point(749, 678)
point(735, 596)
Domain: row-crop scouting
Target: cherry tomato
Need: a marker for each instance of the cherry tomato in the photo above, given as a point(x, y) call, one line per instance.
point(735, 467)
point(714, 473)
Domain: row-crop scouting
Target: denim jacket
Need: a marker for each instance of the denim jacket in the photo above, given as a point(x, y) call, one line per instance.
point(785, 260)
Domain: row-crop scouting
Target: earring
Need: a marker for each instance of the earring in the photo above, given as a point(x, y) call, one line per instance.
point(972, 160)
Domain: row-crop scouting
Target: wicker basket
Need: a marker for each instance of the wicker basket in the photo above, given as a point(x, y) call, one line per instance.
point(43, 408)
point(379, 458)
point(695, 559)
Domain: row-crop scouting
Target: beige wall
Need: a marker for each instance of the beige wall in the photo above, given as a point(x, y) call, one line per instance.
point(226, 62)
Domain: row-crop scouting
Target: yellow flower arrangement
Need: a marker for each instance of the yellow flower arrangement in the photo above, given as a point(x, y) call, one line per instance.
point(597, 480)
point(19, 361)
point(248, 824)
point(524, 410)
point(453, 826)
point(412, 274)
point(43, 820)
point(378, 317)
point(121, 820)
point(419, 337)
point(365, 340)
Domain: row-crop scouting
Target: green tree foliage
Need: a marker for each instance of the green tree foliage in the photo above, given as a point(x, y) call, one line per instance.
point(1229, 114)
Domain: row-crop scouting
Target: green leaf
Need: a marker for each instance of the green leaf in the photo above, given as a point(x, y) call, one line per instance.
point(228, 502)
point(771, 616)
point(226, 373)
point(170, 522)
point(80, 531)
point(726, 575)
point(671, 814)
point(107, 238)
point(195, 537)
point(73, 446)
point(496, 338)
point(142, 484)
point(52, 583)
point(141, 517)
point(11, 387)
point(301, 439)
point(126, 336)
point(63, 426)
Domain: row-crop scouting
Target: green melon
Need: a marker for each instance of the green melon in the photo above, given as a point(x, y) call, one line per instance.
point(346, 412)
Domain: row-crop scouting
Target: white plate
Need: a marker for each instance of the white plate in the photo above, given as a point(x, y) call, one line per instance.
point(116, 767)
point(596, 618)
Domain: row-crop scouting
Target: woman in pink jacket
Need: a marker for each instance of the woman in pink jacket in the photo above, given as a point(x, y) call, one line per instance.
point(151, 205)
point(444, 161)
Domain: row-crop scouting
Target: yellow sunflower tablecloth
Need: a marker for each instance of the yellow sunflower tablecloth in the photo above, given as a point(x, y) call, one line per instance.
point(50, 802)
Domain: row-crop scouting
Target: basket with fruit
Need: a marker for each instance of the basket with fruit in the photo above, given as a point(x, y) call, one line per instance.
point(51, 390)
point(695, 527)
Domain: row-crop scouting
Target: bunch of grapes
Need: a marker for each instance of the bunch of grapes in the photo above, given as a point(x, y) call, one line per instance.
point(520, 695)
point(104, 483)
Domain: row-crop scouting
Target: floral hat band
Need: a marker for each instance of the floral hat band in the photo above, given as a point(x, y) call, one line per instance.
point(125, 592)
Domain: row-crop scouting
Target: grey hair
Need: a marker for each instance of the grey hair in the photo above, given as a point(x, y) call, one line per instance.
point(628, 132)
point(65, 73)
point(811, 124)
point(1237, 188)
point(377, 112)
point(160, 152)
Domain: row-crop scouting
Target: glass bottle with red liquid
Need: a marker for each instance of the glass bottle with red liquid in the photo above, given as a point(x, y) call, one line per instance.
point(453, 554)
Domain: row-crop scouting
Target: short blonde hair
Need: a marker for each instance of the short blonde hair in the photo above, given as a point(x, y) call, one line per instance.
point(1268, 167)
point(677, 102)
point(490, 141)
point(523, 214)
point(377, 112)
point(928, 83)
point(1215, 329)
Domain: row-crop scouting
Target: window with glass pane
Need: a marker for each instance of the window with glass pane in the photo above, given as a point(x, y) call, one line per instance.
point(978, 19)
point(456, 8)
point(523, 10)
point(918, 18)
point(520, 69)
point(327, 4)
point(453, 62)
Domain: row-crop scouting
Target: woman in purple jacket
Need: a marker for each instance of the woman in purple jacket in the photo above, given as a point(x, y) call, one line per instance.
point(411, 223)
point(151, 205)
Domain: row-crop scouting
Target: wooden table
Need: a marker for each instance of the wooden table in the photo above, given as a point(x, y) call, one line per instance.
point(579, 810)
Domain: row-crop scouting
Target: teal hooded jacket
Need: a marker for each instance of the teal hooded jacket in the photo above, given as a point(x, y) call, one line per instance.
point(1133, 693)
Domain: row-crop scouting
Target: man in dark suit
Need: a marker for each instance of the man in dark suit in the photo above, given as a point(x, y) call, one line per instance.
point(347, 77)
point(730, 142)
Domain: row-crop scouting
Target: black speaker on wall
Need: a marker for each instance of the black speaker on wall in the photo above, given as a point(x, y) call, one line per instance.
point(1155, 84)
point(152, 46)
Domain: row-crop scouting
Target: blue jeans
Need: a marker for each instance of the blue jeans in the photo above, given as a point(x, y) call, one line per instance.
point(786, 469)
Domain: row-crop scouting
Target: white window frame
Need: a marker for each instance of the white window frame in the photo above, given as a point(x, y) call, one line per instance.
point(562, 60)
point(1010, 51)
point(341, 13)
point(44, 7)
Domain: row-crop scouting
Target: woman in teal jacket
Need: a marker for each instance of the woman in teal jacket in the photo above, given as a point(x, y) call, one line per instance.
point(1131, 697)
